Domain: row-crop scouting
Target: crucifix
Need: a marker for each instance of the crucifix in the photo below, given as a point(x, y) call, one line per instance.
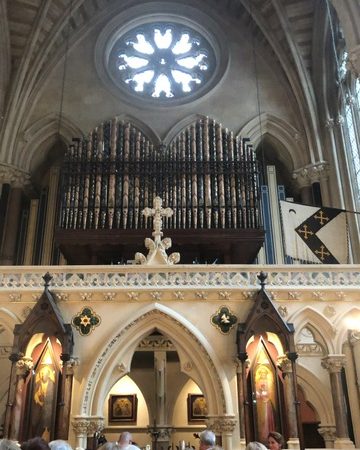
point(158, 212)
point(157, 246)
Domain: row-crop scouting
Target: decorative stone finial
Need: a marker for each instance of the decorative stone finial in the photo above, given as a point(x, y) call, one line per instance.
point(157, 246)
point(262, 277)
point(47, 278)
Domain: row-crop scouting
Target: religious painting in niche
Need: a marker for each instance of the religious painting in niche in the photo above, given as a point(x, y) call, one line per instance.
point(123, 408)
point(265, 391)
point(197, 407)
point(43, 387)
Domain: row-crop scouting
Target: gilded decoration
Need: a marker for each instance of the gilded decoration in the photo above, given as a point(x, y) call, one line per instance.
point(86, 320)
point(224, 319)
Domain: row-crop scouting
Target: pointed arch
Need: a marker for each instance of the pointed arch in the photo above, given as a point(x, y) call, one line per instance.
point(323, 330)
point(348, 320)
point(317, 393)
point(197, 359)
point(41, 136)
point(292, 152)
point(151, 134)
point(182, 125)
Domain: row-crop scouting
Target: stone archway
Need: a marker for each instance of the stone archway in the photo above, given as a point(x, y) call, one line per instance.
point(196, 356)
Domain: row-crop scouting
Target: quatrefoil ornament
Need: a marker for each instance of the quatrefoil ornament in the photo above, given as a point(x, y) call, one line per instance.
point(224, 319)
point(86, 320)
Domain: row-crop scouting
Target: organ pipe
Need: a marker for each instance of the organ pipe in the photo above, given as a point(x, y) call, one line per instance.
point(206, 175)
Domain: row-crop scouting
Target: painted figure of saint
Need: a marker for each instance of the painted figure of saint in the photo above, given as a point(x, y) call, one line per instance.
point(122, 407)
point(200, 407)
point(265, 396)
point(43, 401)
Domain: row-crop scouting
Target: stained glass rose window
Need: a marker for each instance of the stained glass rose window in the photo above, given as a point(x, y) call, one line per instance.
point(162, 60)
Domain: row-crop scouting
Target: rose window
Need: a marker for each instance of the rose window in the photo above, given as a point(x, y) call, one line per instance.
point(162, 60)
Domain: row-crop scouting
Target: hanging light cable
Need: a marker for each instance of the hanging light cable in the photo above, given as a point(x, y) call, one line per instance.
point(62, 91)
point(258, 103)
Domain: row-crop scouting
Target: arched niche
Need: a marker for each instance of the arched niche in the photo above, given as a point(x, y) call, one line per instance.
point(41, 377)
point(267, 384)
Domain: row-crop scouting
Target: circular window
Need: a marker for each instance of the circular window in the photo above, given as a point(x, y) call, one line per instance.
point(162, 60)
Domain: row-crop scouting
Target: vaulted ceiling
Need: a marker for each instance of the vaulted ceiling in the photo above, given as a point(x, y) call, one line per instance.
point(35, 35)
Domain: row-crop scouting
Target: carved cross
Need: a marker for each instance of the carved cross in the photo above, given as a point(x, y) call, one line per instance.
point(322, 253)
point(321, 217)
point(306, 232)
point(158, 212)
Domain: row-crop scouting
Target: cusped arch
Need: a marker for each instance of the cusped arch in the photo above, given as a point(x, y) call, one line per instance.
point(291, 152)
point(346, 321)
point(315, 392)
point(181, 125)
point(151, 134)
point(197, 358)
point(323, 330)
point(41, 136)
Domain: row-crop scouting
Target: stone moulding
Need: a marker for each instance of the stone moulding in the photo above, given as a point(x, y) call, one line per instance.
point(141, 281)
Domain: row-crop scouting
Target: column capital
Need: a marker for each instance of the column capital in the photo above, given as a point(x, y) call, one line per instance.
point(307, 175)
point(328, 433)
point(285, 364)
point(221, 424)
point(15, 177)
point(23, 366)
point(353, 62)
point(87, 425)
point(334, 363)
point(329, 123)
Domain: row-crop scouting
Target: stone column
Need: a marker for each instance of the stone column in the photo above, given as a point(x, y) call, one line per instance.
point(286, 366)
point(64, 403)
point(334, 365)
point(224, 426)
point(303, 182)
point(329, 125)
point(84, 427)
point(31, 231)
point(328, 434)
point(354, 61)
point(12, 219)
point(17, 179)
point(354, 341)
point(164, 431)
point(22, 367)
point(310, 174)
point(50, 216)
point(240, 368)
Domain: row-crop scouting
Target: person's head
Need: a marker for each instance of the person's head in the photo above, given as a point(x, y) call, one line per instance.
point(207, 439)
point(36, 443)
point(255, 446)
point(6, 444)
point(59, 444)
point(125, 439)
point(275, 440)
